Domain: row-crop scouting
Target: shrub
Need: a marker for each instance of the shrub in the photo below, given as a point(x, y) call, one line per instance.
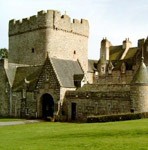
point(117, 117)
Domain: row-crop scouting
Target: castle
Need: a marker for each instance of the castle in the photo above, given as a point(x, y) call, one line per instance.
point(48, 74)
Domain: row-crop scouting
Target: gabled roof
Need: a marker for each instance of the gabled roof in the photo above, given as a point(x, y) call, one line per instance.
point(116, 52)
point(131, 53)
point(65, 71)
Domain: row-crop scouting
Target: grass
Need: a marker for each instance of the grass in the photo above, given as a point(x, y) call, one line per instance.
point(126, 135)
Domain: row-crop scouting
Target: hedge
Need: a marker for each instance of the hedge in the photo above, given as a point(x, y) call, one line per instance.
point(117, 117)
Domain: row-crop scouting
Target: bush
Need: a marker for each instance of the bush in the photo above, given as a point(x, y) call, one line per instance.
point(118, 117)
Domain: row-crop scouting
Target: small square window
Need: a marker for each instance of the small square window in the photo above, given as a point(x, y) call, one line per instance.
point(32, 50)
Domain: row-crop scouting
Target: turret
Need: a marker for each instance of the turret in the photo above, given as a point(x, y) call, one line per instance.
point(102, 66)
point(139, 89)
point(104, 51)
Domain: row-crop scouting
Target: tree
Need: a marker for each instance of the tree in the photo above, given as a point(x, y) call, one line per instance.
point(3, 53)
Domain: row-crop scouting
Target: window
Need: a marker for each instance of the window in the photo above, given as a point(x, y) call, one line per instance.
point(74, 52)
point(47, 77)
point(32, 50)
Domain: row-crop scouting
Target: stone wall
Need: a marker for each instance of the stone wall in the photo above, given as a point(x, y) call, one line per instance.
point(4, 91)
point(64, 45)
point(16, 103)
point(105, 87)
point(91, 77)
point(28, 48)
point(115, 78)
point(23, 107)
point(98, 102)
point(31, 105)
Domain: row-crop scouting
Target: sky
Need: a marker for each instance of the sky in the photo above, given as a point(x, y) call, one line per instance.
point(113, 19)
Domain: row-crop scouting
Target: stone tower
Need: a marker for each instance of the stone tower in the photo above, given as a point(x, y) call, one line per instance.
point(139, 89)
point(49, 32)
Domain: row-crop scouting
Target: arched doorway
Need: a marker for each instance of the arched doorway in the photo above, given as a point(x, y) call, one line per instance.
point(47, 106)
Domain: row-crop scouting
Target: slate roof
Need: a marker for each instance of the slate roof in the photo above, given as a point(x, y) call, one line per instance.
point(17, 74)
point(30, 74)
point(131, 53)
point(65, 71)
point(116, 52)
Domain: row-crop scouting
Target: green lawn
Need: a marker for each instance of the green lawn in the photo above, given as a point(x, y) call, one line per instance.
point(126, 135)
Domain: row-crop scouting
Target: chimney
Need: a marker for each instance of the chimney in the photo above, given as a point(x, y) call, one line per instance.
point(126, 44)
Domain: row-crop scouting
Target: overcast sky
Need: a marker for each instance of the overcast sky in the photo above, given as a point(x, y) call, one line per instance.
point(114, 19)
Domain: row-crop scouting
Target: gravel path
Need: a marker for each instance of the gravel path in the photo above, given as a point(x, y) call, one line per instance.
point(18, 122)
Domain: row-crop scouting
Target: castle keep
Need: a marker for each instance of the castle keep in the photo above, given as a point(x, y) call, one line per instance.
point(48, 74)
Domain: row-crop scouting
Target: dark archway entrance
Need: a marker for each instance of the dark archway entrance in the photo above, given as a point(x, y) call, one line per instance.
point(47, 106)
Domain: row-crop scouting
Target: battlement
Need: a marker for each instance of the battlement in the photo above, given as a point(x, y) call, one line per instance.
point(49, 19)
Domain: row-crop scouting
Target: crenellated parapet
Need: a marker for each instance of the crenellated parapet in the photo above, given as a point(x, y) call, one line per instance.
point(49, 19)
